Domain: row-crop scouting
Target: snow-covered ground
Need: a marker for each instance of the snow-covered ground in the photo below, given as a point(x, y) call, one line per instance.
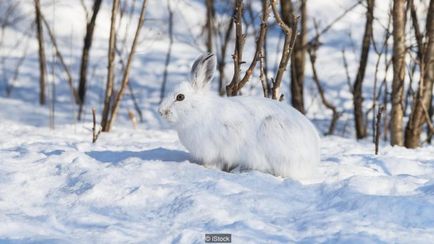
point(138, 185)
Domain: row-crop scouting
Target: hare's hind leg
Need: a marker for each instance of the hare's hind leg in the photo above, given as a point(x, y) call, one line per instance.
point(279, 146)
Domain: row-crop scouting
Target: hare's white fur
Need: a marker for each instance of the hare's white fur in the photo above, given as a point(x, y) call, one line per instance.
point(247, 132)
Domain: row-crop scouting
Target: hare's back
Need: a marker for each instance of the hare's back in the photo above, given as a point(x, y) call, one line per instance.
point(281, 123)
point(264, 109)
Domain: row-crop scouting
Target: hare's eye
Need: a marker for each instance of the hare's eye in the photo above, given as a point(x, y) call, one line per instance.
point(180, 97)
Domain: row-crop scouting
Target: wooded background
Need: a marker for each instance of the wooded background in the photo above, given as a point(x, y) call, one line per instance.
point(399, 110)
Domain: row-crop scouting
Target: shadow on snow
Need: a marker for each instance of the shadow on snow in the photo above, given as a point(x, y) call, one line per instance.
point(159, 154)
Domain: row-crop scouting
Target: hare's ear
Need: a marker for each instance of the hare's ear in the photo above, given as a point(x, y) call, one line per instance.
point(203, 70)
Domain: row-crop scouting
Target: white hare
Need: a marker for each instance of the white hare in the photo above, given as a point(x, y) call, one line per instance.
point(246, 132)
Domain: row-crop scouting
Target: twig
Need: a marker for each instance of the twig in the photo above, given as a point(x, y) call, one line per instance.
point(377, 128)
point(330, 25)
point(86, 12)
point(95, 133)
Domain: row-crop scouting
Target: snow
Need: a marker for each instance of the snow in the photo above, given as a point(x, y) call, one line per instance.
point(138, 185)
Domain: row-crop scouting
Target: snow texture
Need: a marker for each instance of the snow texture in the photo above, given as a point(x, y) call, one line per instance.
point(139, 186)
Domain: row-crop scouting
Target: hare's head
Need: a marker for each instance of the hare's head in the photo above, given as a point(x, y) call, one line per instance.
point(188, 96)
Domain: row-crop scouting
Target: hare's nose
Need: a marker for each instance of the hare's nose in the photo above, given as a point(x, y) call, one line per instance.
point(163, 111)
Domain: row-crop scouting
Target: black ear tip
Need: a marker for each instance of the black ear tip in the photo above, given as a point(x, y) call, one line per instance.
point(208, 56)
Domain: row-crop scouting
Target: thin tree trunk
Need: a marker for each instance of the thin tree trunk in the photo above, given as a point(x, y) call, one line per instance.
point(236, 84)
point(41, 52)
point(358, 89)
point(262, 58)
point(418, 116)
point(264, 68)
point(259, 44)
point(298, 59)
point(210, 13)
point(396, 127)
point(110, 69)
point(90, 27)
point(430, 115)
point(288, 46)
point(377, 131)
point(232, 89)
point(125, 76)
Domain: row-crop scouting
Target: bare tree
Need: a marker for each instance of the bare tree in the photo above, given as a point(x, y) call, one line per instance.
point(41, 52)
point(120, 49)
point(266, 86)
point(288, 45)
point(110, 69)
point(358, 89)
point(396, 120)
point(87, 43)
point(298, 59)
point(232, 88)
point(107, 122)
point(377, 131)
point(419, 115)
point(210, 17)
point(236, 84)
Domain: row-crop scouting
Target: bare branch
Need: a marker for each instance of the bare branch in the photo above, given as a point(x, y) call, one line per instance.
point(288, 46)
point(259, 45)
point(377, 128)
point(335, 113)
point(42, 60)
point(95, 133)
point(124, 81)
point(232, 88)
